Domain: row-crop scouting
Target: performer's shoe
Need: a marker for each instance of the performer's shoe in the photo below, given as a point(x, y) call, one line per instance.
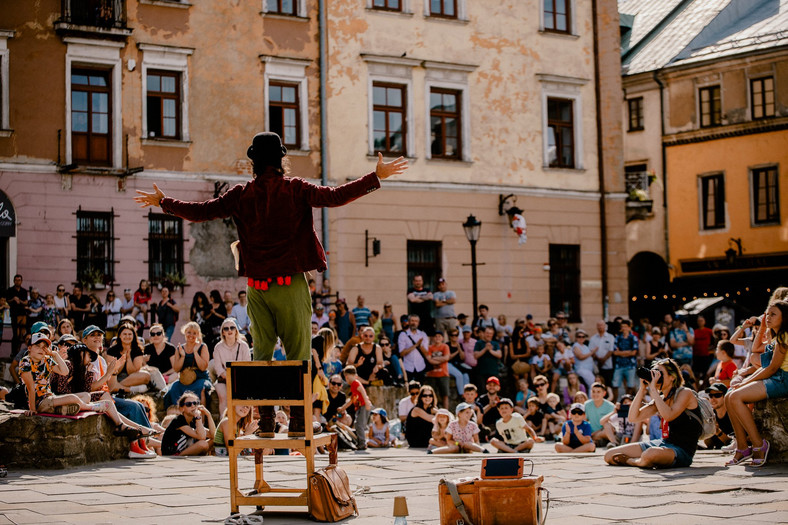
point(267, 425)
point(297, 428)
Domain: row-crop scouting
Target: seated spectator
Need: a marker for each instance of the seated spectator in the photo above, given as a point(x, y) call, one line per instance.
point(541, 365)
point(457, 367)
point(523, 395)
point(580, 397)
point(418, 426)
point(595, 409)
point(618, 428)
point(609, 395)
point(336, 400)
point(407, 403)
point(442, 419)
point(160, 353)
point(245, 425)
point(469, 395)
point(680, 430)
point(462, 434)
point(231, 347)
point(391, 362)
point(191, 361)
point(533, 414)
point(564, 360)
point(724, 428)
point(438, 368)
point(489, 403)
point(379, 435)
point(572, 387)
point(187, 435)
point(127, 349)
point(513, 429)
point(554, 416)
point(65, 326)
point(576, 433)
point(519, 351)
point(726, 368)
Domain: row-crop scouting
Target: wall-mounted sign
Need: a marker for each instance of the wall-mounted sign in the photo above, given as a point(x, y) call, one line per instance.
point(7, 217)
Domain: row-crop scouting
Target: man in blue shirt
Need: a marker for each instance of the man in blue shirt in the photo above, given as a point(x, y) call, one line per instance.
point(625, 359)
point(361, 312)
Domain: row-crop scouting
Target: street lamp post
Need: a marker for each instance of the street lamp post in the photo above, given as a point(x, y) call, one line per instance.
point(472, 227)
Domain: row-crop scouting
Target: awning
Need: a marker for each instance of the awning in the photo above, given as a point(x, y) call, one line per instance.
point(698, 305)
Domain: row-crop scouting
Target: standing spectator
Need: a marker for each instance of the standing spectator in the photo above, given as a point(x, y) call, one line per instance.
point(625, 359)
point(584, 358)
point(96, 314)
point(346, 322)
point(111, 310)
point(214, 317)
point(319, 316)
point(50, 314)
point(655, 348)
point(457, 367)
point(361, 402)
point(487, 353)
point(142, 299)
point(388, 321)
point(681, 340)
point(468, 343)
point(420, 303)
point(445, 318)
point(128, 303)
point(438, 371)
point(61, 302)
point(241, 315)
point(325, 294)
point(361, 312)
point(562, 330)
point(596, 408)
point(16, 296)
point(366, 357)
point(701, 349)
point(35, 307)
point(167, 312)
point(231, 347)
point(412, 346)
point(485, 320)
point(80, 307)
point(602, 344)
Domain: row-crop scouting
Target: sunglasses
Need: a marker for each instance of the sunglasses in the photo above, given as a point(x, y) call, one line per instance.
point(156, 334)
point(537, 385)
point(427, 395)
point(415, 393)
point(335, 383)
point(228, 329)
point(385, 344)
point(61, 289)
point(577, 412)
point(190, 403)
point(717, 395)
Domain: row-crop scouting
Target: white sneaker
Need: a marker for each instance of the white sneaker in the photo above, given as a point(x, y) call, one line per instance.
point(138, 389)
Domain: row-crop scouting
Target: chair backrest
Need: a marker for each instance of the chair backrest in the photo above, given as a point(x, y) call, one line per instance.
point(281, 381)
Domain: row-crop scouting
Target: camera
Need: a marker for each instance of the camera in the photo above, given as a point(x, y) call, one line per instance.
point(644, 374)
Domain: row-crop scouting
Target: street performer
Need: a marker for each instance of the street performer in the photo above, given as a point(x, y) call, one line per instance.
point(277, 245)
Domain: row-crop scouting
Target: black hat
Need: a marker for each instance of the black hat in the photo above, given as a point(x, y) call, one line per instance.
point(266, 147)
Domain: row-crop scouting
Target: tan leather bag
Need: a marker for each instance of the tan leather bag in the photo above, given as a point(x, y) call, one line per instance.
point(187, 376)
point(330, 498)
point(474, 501)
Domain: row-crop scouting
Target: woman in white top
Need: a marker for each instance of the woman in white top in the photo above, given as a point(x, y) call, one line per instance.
point(231, 347)
point(61, 302)
point(111, 309)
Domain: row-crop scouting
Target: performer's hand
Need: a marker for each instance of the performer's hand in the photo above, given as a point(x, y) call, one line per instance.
point(145, 199)
point(383, 170)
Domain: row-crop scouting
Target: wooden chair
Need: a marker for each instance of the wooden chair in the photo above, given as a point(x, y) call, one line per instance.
point(270, 383)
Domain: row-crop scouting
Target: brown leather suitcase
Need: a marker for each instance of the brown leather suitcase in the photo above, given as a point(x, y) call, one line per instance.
point(493, 501)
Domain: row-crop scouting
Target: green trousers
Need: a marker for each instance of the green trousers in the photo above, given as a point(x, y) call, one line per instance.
point(284, 312)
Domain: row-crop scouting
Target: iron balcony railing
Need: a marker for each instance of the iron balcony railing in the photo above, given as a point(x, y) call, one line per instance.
point(105, 14)
point(637, 184)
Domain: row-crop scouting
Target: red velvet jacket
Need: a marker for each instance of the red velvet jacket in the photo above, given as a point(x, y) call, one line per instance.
point(273, 215)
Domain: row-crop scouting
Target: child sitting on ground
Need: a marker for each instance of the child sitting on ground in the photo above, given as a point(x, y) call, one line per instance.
point(379, 436)
point(576, 432)
point(513, 429)
point(553, 416)
point(187, 435)
point(533, 414)
point(439, 438)
point(726, 368)
point(462, 433)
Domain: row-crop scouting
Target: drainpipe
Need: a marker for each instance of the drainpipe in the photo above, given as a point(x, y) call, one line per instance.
point(323, 34)
point(664, 165)
point(600, 165)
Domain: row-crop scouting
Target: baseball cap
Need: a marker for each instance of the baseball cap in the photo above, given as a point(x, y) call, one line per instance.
point(37, 326)
point(717, 387)
point(67, 337)
point(466, 328)
point(38, 337)
point(506, 401)
point(580, 331)
point(381, 412)
point(443, 412)
point(82, 347)
point(441, 280)
point(493, 379)
point(90, 329)
point(577, 406)
point(462, 406)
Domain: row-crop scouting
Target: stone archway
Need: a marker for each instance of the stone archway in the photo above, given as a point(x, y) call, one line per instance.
point(648, 279)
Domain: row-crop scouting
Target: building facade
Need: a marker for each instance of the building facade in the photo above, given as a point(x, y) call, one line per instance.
point(706, 114)
point(494, 108)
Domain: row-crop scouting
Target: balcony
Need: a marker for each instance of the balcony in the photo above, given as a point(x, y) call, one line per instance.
point(104, 18)
point(639, 201)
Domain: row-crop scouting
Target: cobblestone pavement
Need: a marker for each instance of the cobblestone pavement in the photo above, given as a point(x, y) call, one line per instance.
point(583, 489)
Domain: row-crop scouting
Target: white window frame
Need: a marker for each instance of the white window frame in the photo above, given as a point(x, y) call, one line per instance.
point(290, 70)
point(462, 10)
point(166, 58)
point(455, 77)
point(406, 7)
point(392, 70)
point(569, 88)
point(572, 20)
point(300, 9)
point(91, 53)
point(5, 126)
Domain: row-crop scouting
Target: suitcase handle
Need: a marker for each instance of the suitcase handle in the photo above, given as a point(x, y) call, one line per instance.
point(532, 466)
point(547, 505)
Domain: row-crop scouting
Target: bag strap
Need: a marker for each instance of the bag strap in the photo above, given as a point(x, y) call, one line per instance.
point(455, 497)
point(333, 449)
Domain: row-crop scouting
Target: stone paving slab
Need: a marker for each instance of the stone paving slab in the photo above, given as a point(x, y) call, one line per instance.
point(171, 491)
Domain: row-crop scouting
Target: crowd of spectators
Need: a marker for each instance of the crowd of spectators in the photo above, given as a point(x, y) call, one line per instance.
point(515, 385)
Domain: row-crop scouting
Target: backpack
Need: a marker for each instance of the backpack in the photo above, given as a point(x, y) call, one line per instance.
point(707, 419)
